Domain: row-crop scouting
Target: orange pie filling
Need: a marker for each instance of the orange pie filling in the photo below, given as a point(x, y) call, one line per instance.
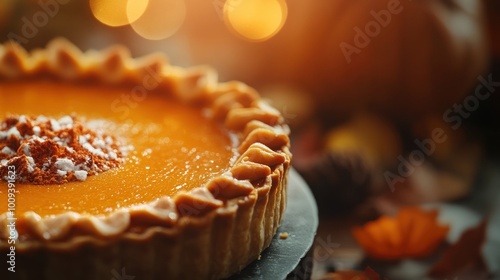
point(108, 161)
point(156, 147)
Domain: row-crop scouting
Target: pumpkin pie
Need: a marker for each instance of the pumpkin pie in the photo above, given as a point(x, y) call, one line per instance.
point(119, 167)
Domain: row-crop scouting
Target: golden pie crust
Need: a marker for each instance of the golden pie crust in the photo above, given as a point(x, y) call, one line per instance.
point(210, 232)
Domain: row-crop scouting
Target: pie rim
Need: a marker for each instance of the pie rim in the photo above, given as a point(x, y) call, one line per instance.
point(258, 174)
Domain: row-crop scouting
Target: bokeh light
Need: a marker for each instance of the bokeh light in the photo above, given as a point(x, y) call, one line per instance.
point(118, 12)
point(255, 20)
point(161, 19)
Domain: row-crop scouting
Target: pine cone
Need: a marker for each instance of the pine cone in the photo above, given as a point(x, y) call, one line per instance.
point(339, 181)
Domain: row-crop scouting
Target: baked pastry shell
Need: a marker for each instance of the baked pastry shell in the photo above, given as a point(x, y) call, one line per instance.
point(211, 231)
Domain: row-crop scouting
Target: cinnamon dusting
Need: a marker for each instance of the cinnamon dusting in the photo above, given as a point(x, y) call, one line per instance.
point(55, 151)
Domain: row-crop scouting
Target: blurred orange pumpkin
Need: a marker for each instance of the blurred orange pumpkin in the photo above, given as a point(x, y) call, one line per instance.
point(5, 12)
point(397, 58)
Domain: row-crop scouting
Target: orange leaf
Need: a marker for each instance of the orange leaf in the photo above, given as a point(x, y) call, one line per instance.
point(368, 274)
point(413, 233)
point(372, 275)
point(463, 255)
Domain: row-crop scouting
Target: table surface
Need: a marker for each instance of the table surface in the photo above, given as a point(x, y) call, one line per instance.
point(336, 248)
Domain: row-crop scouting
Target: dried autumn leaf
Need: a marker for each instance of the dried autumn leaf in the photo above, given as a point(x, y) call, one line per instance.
point(413, 233)
point(368, 274)
point(344, 275)
point(371, 273)
point(463, 256)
